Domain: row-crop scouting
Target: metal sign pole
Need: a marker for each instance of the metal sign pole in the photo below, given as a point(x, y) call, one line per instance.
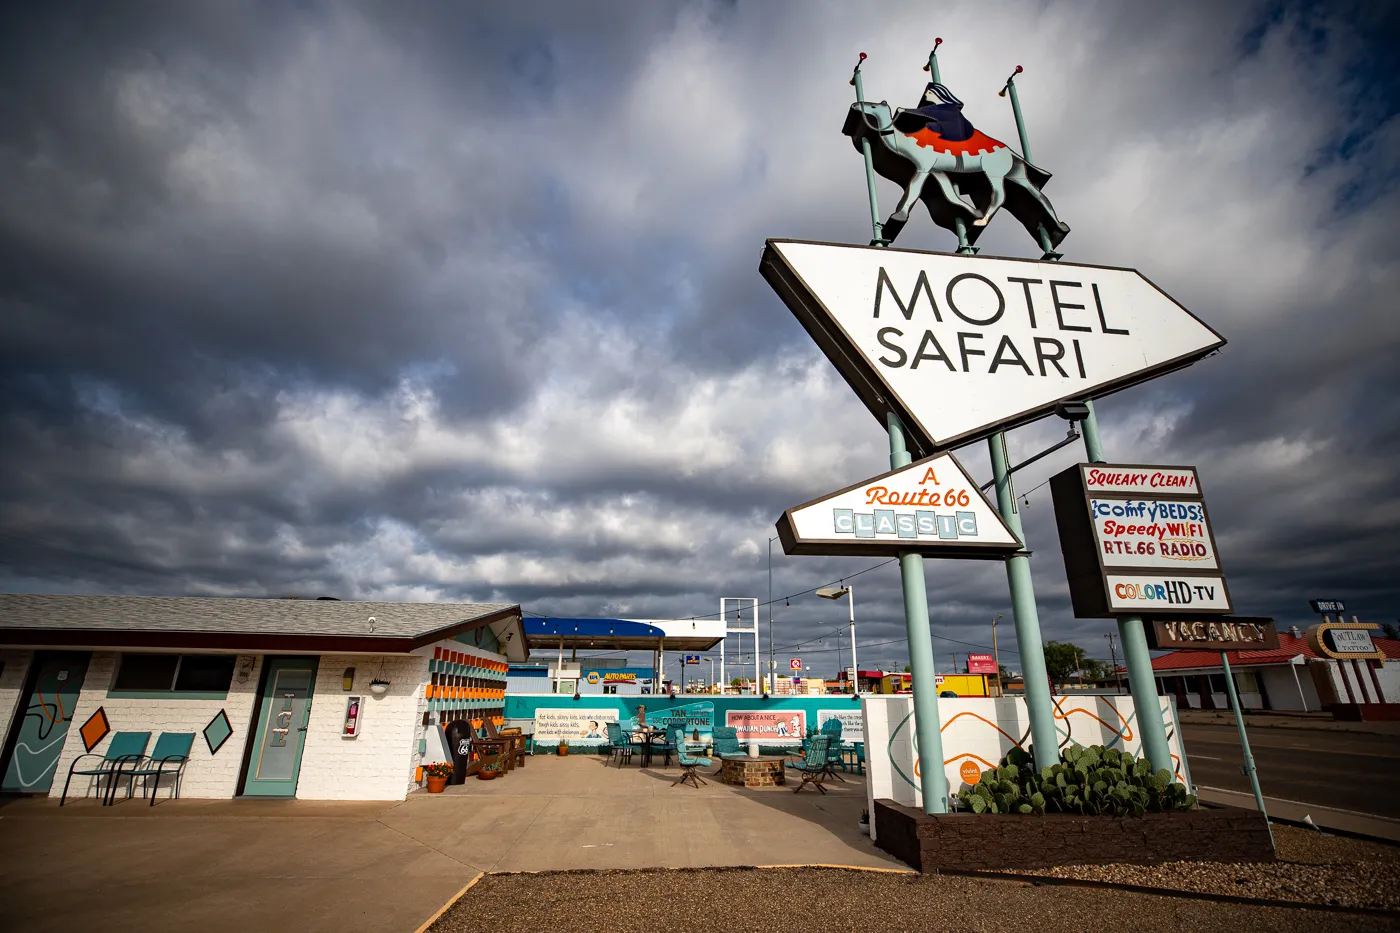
point(1136, 658)
point(933, 783)
point(1250, 771)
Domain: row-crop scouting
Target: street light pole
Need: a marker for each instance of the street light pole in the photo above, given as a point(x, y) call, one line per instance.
point(836, 592)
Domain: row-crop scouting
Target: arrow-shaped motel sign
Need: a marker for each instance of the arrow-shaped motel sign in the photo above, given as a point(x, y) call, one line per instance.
point(930, 507)
point(961, 347)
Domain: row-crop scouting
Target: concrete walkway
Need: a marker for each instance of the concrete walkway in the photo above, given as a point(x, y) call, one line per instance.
point(310, 866)
point(578, 812)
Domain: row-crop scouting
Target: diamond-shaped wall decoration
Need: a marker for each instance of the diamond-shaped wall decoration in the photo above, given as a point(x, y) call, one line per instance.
point(217, 732)
point(95, 729)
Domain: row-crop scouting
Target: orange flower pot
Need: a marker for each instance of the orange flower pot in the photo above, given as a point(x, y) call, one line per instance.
point(436, 785)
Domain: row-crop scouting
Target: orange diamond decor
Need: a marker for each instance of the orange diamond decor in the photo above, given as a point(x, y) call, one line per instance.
point(95, 729)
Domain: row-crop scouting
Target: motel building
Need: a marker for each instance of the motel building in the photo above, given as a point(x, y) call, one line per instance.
point(1289, 677)
point(313, 699)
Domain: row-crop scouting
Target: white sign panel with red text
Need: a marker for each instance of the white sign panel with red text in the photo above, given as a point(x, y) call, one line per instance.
point(1153, 533)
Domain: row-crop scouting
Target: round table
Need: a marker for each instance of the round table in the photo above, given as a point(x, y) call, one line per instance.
point(743, 771)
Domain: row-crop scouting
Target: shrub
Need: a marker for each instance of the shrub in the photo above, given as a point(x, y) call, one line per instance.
point(1094, 780)
point(441, 769)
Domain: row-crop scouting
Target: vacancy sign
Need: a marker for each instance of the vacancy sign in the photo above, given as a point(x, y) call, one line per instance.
point(963, 346)
point(931, 506)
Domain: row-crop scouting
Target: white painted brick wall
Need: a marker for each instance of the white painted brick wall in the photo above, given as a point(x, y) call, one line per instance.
point(206, 775)
point(16, 667)
point(378, 763)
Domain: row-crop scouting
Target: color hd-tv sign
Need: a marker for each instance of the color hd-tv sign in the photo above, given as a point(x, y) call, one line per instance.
point(1137, 541)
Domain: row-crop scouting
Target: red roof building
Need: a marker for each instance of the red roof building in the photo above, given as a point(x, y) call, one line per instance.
point(1289, 677)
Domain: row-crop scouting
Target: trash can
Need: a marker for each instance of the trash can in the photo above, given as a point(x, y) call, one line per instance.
point(459, 746)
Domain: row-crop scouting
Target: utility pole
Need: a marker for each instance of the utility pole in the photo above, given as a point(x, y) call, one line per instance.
point(772, 665)
point(933, 780)
point(1113, 652)
point(1136, 657)
point(996, 656)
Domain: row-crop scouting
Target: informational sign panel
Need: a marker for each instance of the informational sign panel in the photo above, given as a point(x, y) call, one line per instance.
point(931, 507)
point(963, 346)
point(795, 664)
point(775, 727)
point(1230, 633)
point(1137, 540)
point(1327, 605)
point(851, 718)
point(1345, 640)
point(978, 732)
point(981, 664)
point(578, 726)
point(692, 659)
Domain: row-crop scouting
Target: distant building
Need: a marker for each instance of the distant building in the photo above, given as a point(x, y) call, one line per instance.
point(1289, 677)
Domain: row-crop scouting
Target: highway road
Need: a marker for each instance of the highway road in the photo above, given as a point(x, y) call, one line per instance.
point(1346, 770)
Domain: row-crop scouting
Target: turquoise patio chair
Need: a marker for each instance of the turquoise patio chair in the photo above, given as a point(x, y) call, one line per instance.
point(125, 748)
point(726, 742)
point(619, 743)
point(171, 754)
point(813, 766)
point(687, 761)
point(832, 730)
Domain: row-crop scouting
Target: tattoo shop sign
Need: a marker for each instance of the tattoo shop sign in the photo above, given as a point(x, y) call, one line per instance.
point(963, 346)
point(931, 507)
point(1137, 539)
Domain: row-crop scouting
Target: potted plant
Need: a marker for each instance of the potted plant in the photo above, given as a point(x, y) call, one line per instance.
point(378, 687)
point(437, 775)
point(563, 748)
point(492, 769)
point(865, 822)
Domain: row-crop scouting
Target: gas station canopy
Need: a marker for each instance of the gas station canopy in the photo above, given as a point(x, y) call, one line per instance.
point(624, 634)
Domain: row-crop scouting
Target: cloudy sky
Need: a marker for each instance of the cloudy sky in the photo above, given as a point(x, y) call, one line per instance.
point(443, 301)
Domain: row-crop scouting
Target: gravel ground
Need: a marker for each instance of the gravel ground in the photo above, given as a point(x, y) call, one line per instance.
point(816, 900)
point(1313, 868)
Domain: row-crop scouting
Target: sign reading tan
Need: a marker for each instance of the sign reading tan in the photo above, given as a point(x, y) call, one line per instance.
point(1345, 641)
point(1228, 634)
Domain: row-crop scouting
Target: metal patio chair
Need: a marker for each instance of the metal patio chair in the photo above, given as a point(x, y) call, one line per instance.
point(832, 730)
point(687, 761)
point(171, 754)
point(125, 748)
point(726, 742)
point(813, 766)
point(619, 743)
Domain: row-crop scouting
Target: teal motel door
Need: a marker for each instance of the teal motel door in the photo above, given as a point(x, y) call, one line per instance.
point(51, 694)
point(280, 731)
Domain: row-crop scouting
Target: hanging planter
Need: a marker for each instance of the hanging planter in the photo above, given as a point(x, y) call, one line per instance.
point(379, 685)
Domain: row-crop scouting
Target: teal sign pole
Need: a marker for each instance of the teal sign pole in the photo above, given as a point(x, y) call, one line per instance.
point(1249, 769)
point(933, 783)
point(1136, 658)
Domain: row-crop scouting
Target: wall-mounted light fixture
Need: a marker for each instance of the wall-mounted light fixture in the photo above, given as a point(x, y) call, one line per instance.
point(245, 668)
point(347, 682)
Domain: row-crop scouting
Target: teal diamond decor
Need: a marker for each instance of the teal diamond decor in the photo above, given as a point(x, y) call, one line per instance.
point(217, 732)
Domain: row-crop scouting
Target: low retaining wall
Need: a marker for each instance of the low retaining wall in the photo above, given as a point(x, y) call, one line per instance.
point(970, 841)
point(1363, 712)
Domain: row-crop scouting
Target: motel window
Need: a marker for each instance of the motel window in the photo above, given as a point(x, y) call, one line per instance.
point(1217, 683)
point(175, 673)
point(1246, 682)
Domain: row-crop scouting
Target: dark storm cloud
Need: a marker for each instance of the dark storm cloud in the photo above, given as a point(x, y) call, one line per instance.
point(436, 303)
